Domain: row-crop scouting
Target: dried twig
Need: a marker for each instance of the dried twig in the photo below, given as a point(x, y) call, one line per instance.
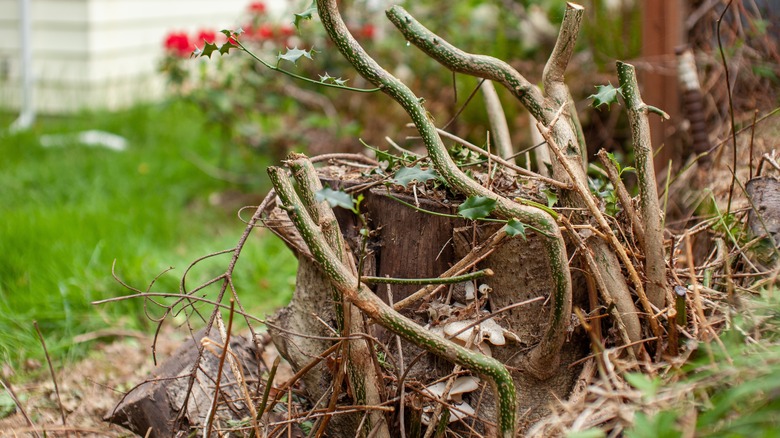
point(51, 371)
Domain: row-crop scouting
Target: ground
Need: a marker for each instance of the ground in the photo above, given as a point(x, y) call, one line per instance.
point(89, 389)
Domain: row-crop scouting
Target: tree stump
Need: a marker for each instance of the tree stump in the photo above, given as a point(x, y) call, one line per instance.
point(407, 243)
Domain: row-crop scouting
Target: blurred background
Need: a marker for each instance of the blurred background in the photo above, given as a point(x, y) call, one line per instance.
point(120, 151)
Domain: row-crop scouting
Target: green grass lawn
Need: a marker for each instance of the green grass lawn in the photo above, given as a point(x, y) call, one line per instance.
point(67, 213)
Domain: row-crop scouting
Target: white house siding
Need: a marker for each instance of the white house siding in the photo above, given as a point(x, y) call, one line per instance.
point(99, 53)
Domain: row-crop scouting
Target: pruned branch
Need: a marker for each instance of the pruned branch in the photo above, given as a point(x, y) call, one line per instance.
point(655, 264)
point(459, 61)
point(498, 126)
point(366, 383)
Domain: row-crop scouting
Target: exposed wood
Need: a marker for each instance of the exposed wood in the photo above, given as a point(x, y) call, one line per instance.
point(154, 405)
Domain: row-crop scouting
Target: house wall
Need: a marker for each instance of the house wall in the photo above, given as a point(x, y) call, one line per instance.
point(99, 53)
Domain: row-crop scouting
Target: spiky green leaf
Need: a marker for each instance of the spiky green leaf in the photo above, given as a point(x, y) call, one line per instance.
point(515, 228)
point(207, 50)
point(225, 48)
point(605, 95)
point(232, 33)
point(307, 14)
point(405, 175)
point(477, 207)
point(336, 198)
point(552, 197)
point(294, 54)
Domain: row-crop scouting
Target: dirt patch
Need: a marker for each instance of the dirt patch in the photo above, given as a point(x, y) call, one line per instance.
point(89, 389)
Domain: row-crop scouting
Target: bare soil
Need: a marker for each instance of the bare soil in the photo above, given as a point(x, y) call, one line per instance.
point(89, 389)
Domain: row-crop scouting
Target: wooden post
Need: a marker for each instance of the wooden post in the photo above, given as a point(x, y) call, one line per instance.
point(662, 32)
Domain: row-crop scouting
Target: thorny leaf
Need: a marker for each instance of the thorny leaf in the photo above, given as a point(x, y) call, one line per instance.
point(328, 79)
point(232, 33)
point(552, 197)
point(225, 48)
point(405, 175)
point(293, 55)
point(605, 95)
point(477, 207)
point(336, 198)
point(515, 228)
point(210, 48)
point(307, 14)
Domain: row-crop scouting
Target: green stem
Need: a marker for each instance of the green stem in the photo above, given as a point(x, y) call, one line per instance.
point(438, 280)
point(302, 78)
point(266, 392)
point(459, 61)
point(365, 383)
point(362, 297)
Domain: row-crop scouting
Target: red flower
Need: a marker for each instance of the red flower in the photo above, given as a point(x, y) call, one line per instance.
point(368, 30)
point(208, 36)
point(257, 8)
point(265, 32)
point(287, 30)
point(178, 43)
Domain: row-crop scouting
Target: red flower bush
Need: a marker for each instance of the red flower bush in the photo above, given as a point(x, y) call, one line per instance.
point(265, 32)
point(286, 30)
point(208, 36)
point(178, 44)
point(257, 8)
point(368, 30)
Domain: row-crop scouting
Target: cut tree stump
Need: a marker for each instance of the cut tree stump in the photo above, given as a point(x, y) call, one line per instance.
point(407, 243)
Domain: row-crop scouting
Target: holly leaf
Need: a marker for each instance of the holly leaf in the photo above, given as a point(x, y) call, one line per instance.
point(514, 228)
point(335, 198)
point(207, 50)
point(605, 95)
point(477, 207)
point(328, 79)
point(405, 175)
point(293, 55)
point(551, 196)
point(307, 14)
point(225, 48)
